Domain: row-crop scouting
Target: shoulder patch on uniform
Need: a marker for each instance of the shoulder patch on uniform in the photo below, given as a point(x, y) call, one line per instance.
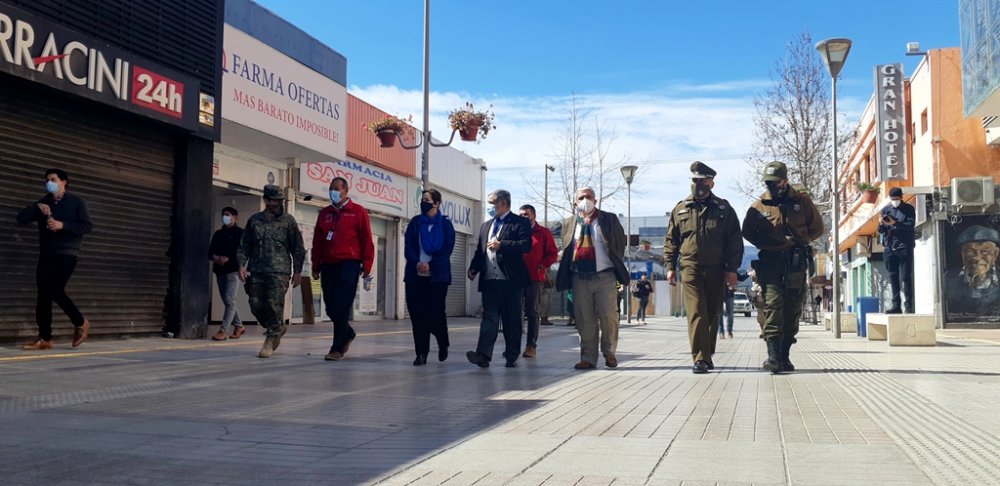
point(796, 207)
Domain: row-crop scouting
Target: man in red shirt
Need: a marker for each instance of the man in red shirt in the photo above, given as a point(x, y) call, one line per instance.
point(542, 255)
point(342, 250)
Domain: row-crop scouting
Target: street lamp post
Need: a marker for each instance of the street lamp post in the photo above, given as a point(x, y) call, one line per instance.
point(834, 53)
point(628, 172)
point(548, 168)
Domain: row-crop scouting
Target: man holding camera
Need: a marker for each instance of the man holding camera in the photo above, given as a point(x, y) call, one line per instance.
point(782, 224)
point(896, 228)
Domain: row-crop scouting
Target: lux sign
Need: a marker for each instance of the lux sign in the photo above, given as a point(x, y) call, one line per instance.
point(33, 48)
point(890, 119)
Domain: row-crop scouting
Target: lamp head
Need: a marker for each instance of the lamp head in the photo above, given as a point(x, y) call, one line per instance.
point(834, 53)
point(628, 172)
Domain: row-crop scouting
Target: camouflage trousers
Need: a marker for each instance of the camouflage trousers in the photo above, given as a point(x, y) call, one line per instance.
point(267, 299)
point(782, 294)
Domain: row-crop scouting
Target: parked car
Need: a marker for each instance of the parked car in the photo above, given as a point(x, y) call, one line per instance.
point(741, 303)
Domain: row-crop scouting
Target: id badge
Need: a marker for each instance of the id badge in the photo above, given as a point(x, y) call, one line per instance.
point(329, 236)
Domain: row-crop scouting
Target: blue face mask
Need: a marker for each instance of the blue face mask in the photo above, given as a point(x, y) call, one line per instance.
point(227, 219)
point(335, 196)
point(491, 211)
point(52, 187)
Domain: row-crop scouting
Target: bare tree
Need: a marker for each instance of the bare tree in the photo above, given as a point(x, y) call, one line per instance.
point(792, 123)
point(582, 158)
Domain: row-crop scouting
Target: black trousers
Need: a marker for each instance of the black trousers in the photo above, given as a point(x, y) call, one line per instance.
point(51, 275)
point(425, 301)
point(340, 287)
point(501, 302)
point(900, 266)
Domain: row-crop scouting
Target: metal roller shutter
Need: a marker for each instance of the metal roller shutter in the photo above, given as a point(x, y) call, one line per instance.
point(123, 167)
point(455, 302)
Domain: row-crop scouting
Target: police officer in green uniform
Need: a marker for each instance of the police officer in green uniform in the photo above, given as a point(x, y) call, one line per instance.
point(781, 224)
point(703, 238)
point(271, 248)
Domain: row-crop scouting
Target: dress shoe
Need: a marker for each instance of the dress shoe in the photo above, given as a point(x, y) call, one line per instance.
point(711, 365)
point(80, 333)
point(442, 353)
point(529, 352)
point(584, 365)
point(219, 336)
point(37, 345)
point(478, 359)
point(334, 356)
point(421, 360)
point(347, 344)
point(611, 360)
point(267, 349)
point(238, 332)
point(281, 332)
point(700, 367)
point(511, 364)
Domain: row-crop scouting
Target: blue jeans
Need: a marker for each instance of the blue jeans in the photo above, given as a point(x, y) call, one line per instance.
point(228, 283)
point(727, 316)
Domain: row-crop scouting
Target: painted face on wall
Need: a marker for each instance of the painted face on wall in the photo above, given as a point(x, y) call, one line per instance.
point(978, 258)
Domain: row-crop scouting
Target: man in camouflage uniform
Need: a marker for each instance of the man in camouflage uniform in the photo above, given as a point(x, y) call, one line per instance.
point(271, 248)
point(703, 237)
point(781, 224)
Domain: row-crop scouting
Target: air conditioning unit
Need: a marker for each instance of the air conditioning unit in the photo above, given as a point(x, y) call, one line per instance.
point(972, 192)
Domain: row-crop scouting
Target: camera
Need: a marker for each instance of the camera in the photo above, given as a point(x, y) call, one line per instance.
point(886, 219)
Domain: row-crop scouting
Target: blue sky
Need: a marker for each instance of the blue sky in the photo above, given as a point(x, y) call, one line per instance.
point(675, 80)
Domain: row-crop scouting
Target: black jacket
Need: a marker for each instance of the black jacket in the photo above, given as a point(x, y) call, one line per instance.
point(71, 211)
point(515, 241)
point(899, 236)
point(226, 242)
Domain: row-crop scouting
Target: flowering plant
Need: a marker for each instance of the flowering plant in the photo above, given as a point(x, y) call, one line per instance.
point(389, 122)
point(864, 186)
point(468, 119)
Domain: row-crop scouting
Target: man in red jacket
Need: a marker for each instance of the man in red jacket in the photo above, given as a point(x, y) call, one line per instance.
point(342, 249)
point(542, 255)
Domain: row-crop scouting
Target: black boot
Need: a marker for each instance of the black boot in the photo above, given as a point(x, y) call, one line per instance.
point(421, 360)
point(786, 364)
point(773, 361)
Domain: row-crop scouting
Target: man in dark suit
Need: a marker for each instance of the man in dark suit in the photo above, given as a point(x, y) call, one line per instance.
point(503, 241)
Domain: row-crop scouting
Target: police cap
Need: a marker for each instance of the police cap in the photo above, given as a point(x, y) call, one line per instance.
point(976, 233)
point(775, 171)
point(701, 171)
point(274, 192)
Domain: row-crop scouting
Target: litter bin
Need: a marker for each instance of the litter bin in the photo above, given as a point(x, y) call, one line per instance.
point(865, 306)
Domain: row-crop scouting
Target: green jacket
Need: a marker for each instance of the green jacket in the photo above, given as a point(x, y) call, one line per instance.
point(272, 245)
point(771, 225)
point(708, 234)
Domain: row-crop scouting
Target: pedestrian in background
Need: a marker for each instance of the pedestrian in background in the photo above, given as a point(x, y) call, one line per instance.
point(643, 289)
point(270, 250)
point(342, 250)
point(593, 265)
point(62, 219)
point(781, 223)
point(427, 246)
point(226, 267)
point(896, 227)
point(542, 255)
point(499, 261)
point(727, 317)
point(703, 240)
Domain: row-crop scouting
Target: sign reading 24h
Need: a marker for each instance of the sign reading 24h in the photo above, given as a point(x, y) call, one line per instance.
point(374, 188)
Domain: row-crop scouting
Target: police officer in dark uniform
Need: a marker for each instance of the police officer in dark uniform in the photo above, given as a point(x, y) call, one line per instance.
point(781, 224)
point(703, 239)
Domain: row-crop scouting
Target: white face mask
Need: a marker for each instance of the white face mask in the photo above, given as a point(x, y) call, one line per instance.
point(585, 206)
point(896, 203)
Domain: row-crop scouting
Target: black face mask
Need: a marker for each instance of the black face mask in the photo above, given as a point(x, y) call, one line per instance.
point(277, 210)
point(425, 207)
point(775, 190)
point(700, 189)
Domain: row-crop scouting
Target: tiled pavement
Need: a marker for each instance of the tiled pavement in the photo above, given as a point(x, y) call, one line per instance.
point(158, 411)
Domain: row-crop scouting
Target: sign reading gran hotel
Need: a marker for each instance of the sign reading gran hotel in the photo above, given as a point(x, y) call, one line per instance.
point(890, 121)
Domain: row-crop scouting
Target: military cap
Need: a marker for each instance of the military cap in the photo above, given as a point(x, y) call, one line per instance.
point(896, 192)
point(775, 171)
point(701, 171)
point(272, 191)
point(976, 233)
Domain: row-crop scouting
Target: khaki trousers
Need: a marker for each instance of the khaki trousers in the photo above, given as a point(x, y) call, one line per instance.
point(596, 314)
point(704, 291)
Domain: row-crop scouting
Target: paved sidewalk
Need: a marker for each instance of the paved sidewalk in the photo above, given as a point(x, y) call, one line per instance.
point(164, 411)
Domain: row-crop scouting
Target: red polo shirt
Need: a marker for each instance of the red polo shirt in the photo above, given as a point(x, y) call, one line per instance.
point(343, 234)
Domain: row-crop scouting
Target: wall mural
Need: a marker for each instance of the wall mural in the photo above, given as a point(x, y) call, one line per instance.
point(971, 285)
